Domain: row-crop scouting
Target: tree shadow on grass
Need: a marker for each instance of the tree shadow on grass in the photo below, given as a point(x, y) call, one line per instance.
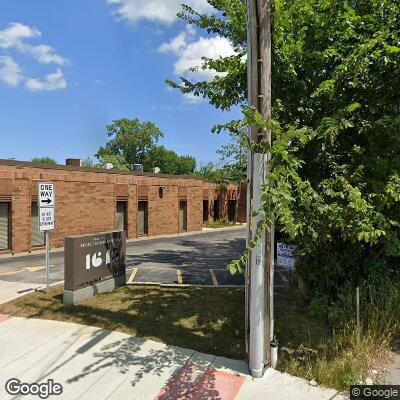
point(207, 320)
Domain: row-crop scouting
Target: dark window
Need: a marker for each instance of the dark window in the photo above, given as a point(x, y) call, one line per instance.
point(205, 210)
point(232, 210)
point(121, 219)
point(5, 226)
point(216, 210)
point(37, 237)
point(182, 216)
point(143, 218)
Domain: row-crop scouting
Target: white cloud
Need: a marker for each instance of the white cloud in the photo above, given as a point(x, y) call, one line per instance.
point(192, 99)
point(54, 81)
point(16, 34)
point(190, 54)
point(10, 71)
point(163, 11)
point(178, 43)
point(14, 38)
point(45, 54)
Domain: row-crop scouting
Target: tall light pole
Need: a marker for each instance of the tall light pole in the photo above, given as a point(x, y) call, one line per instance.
point(260, 266)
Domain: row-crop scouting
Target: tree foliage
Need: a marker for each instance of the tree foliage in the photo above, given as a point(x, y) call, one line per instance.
point(169, 162)
point(133, 142)
point(44, 160)
point(231, 166)
point(334, 187)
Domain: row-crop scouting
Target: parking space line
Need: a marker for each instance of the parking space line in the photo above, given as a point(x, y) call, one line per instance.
point(35, 269)
point(133, 274)
point(12, 272)
point(179, 275)
point(213, 277)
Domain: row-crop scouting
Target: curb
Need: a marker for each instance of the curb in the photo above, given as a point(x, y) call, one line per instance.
point(183, 285)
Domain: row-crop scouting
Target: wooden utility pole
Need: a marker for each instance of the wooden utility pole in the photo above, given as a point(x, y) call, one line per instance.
point(260, 267)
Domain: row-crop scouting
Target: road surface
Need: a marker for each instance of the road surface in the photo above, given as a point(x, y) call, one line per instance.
point(196, 259)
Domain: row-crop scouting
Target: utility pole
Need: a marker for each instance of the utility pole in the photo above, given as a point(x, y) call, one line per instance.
point(260, 265)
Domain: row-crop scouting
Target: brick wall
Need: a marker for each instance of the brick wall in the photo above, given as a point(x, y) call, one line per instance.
point(223, 193)
point(163, 211)
point(86, 200)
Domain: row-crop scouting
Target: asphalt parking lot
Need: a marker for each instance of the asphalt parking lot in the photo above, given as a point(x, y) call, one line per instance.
point(196, 259)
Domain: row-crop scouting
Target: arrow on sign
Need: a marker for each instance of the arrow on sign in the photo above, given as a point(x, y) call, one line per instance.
point(48, 201)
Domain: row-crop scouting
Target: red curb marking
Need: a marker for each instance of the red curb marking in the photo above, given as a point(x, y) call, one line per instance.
point(218, 385)
point(213, 385)
point(180, 385)
point(4, 318)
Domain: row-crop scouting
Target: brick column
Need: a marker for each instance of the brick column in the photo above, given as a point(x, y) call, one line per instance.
point(21, 216)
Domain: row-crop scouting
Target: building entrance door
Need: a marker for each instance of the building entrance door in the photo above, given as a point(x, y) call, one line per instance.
point(143, 212)
point(182, 216)
point(232, 210)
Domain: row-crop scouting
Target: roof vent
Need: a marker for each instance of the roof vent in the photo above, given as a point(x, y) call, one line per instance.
point(137, 167)
point(76, 162)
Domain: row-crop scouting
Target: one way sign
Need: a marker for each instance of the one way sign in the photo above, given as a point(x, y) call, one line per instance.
point(46, 194)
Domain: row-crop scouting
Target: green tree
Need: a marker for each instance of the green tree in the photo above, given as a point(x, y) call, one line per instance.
point(210, 172)
point(130, 140)
point(335, 183)
point(133, 142)
point(117, 161)
point(44, 160)
point(88, 162)
point(233, 158)
point(169, 162)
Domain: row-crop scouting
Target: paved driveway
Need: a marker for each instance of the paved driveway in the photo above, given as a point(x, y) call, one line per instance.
point(199, 259)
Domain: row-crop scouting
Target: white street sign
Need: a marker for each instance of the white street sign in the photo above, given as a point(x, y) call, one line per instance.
point(285, 256)
point(46, 202)
point(46, 219)
point(46, 197)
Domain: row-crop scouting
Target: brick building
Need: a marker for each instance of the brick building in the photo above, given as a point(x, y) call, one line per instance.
point(90, 200)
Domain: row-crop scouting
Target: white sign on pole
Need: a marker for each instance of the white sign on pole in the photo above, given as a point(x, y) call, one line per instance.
point(46, 219)
point(46, 202)
point(285, 255)
point(46, 196)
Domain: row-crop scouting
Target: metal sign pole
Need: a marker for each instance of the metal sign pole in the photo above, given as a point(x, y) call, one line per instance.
point(46, 201)
point(47, 262)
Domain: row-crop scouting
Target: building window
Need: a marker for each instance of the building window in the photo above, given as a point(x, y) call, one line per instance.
point(143, 218)
point(5, 211)
point(216, 210)
point(182, 216)
point(37, 237)
point(121, 218)
point(205, 210)
point(232, 210)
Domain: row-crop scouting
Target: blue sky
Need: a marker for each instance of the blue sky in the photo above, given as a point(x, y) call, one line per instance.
point(69, 68)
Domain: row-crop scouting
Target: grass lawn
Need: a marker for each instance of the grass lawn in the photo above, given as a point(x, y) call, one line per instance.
point(209, 320)
point(219, 223)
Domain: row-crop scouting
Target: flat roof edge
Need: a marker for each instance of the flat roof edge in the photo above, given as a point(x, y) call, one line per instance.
point(59, 167)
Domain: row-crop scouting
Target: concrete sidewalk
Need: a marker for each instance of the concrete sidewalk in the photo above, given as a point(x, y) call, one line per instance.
point(12, 290)
point(92, 363)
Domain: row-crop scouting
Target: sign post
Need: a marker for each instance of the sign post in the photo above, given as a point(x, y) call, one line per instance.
point(46, 200)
